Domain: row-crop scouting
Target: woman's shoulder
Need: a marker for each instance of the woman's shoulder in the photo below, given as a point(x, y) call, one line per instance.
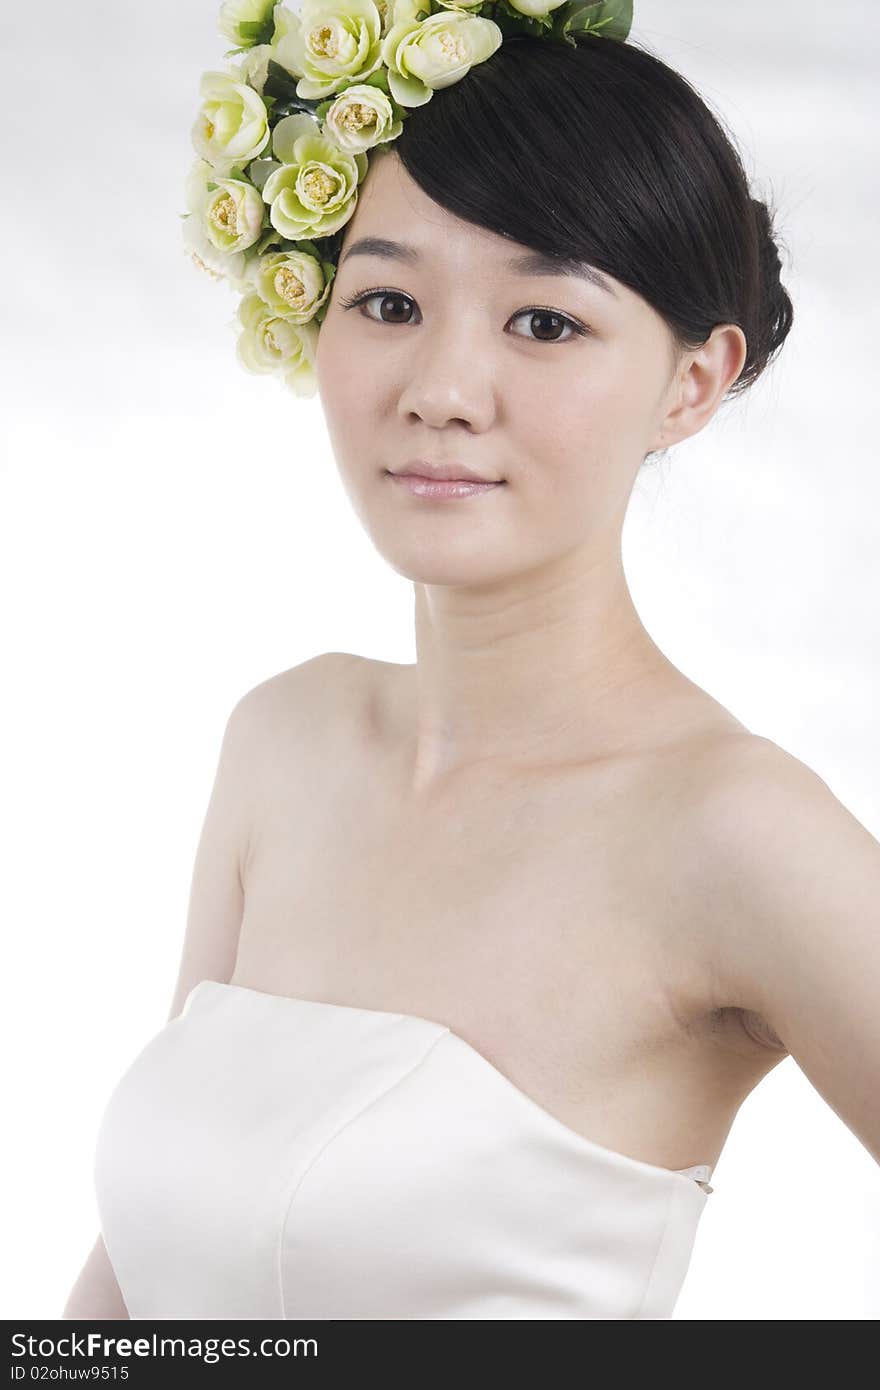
point(329, 709)
point(731, 785)
point(731, 775)
point(310, 687)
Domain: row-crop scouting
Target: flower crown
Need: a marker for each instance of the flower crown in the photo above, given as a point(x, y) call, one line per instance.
point(282, 139)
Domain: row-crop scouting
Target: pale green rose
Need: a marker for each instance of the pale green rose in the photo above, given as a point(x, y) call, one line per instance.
point(242, 22)
point(207, 258)
point(268, 343)
point(232, 125)
point(285, 21)
point(254, 66)
point(360, 117)
point(290, 283)
point(234, 215)
point(299, 374)
point(424, 55)
point(315, 190)
point(328, 43)
point(202, 248)
point(535, 9)
point(464, 4)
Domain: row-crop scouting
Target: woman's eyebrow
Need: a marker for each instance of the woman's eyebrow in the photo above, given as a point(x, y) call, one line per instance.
point(533, 263)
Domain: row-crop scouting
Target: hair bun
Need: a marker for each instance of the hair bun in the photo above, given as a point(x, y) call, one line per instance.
point(775, 313)
point(768, 249)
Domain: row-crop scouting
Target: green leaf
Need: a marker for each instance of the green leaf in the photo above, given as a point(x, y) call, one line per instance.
point(379, 79)
point(511, 22)
point(612, 19)
point(269, 238)
point(255, 31)
point(279, 82)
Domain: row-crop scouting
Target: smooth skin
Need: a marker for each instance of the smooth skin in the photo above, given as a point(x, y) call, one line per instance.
point(541, 833)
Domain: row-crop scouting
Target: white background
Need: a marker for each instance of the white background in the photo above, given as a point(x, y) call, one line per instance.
point(173, 530)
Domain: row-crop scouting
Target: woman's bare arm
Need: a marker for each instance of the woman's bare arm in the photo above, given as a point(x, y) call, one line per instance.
point(216, 905)
point(795, 904)
point(216, 900)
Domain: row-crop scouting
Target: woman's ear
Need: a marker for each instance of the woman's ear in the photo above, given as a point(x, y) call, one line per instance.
point(700, 383)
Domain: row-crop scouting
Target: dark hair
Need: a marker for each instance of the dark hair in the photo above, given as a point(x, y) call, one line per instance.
point(601, 152)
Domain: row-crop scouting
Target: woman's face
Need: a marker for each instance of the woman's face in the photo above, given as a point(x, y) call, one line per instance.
point(460, 357)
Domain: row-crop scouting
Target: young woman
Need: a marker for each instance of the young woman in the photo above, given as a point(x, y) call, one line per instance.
point(484, 953)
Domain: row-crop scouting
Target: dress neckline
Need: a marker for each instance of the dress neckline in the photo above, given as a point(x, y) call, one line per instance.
point(695, 1176)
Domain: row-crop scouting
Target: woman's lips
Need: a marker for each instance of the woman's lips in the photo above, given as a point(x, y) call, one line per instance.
point(420, 486)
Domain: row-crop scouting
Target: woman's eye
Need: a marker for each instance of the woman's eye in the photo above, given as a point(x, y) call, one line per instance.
point(548, 321)
point(542, 321)
point(384, 296)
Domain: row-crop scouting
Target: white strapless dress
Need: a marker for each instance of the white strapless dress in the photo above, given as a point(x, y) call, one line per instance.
point(270, 1157)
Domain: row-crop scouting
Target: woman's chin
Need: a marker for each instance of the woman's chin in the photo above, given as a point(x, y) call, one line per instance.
point(432, 566)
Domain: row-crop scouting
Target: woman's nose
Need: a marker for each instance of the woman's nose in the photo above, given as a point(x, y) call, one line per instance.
point(449, 376)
